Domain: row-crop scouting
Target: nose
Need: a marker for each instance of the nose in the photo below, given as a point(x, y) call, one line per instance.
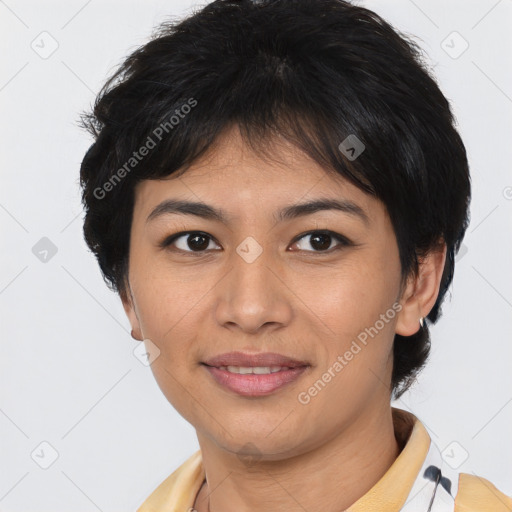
point(253, 295)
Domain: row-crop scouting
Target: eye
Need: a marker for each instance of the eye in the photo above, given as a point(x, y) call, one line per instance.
point(188, 241)
point(321, 241)
point(199, 242)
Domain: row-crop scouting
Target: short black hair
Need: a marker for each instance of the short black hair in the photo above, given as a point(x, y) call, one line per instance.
point(312, 72)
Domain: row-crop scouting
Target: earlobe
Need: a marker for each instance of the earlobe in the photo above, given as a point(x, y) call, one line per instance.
point(421, 292)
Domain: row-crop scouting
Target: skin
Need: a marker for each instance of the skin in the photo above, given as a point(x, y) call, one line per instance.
point(293, 299)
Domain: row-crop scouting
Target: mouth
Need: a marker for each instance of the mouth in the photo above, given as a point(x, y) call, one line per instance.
point(252, 370)
point(257, 360)
point(254, 375)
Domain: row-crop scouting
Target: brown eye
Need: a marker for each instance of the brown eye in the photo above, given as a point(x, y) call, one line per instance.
point(190, 241)
point(321, 241)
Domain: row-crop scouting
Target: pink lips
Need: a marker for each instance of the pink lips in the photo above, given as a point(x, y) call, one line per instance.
point(254, 384)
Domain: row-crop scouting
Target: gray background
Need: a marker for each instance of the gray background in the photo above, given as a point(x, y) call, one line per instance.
point(68, 373)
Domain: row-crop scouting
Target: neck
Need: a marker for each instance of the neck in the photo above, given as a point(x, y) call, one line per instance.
point(329, 478)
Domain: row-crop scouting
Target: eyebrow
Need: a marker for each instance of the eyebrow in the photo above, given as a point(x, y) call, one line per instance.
point(205, 211)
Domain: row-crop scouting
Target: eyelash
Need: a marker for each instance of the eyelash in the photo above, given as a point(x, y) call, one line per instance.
point(343, 241)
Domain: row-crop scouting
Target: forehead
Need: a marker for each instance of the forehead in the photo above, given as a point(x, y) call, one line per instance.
point(233, 173)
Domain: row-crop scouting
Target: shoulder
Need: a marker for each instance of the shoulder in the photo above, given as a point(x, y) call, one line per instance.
point(476, 494)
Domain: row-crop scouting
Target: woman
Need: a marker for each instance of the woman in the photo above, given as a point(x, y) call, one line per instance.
point(277, 192)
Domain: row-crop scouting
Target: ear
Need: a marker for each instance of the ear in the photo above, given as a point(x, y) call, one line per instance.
point(421, 291)
point(129, 308)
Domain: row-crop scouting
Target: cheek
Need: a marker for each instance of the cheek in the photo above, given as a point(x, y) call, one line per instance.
point(352, 297)
point(169, 316)
point(164, 297)
point(357, 303)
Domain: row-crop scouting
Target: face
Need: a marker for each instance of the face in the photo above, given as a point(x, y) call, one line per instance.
point(306, 284)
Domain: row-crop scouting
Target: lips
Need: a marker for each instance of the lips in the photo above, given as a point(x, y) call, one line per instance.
point(254, 385)
point(262, 359)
